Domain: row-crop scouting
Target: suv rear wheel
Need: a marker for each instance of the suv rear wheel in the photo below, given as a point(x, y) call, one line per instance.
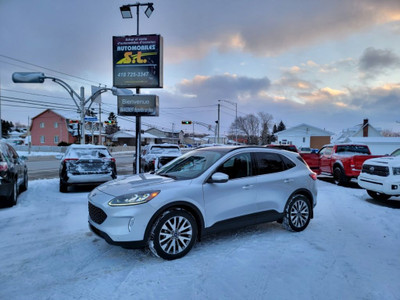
point(173, 234)
point(297, 213)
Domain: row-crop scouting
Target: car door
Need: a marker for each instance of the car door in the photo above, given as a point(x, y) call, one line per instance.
point(275, 182)
point(325, 159)
point(18, 166)
point(232, 199)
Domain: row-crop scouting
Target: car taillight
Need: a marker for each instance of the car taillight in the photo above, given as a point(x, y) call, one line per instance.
point(3, 166)
point(313, 176)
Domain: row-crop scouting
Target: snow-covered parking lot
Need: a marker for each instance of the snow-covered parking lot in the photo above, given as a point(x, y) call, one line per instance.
point(351, 250)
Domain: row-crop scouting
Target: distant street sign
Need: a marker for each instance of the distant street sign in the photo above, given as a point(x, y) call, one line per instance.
point(91, 119)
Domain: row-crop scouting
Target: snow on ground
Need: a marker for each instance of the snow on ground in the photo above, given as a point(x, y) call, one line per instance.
point(351, 250)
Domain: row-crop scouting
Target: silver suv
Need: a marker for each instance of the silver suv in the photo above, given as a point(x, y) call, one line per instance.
point(204, 191)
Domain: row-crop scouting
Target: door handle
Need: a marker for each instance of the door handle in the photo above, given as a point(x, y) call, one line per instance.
point(247, 186)
point(288, 180)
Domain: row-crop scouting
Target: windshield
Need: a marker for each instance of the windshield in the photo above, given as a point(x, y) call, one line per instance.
point(350, 149)
point(89, 153)
point(396, 152)
point(164, 149)
point(190, 165)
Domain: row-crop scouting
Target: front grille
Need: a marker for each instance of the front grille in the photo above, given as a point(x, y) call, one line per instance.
point(375, 170)
point(96, 214)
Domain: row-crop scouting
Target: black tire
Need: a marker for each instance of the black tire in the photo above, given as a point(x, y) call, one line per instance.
point(24, 186)
point(339, 176)
point(173, 235)
point(378, 196)
point(13, 198)
point(63, 187)
point(297, 213)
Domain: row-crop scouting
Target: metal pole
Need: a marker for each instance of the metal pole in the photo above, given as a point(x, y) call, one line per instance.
point(83, 140)
point(100, 125)
point(218, 121)
point(236, 123)
point(138, 118)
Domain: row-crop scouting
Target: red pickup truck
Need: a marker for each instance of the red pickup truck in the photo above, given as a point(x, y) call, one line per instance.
point(342, 161)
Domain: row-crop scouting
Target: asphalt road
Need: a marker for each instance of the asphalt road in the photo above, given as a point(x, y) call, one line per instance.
point(45, 167)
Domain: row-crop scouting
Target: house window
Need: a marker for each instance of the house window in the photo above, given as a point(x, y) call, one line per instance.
point(56, 139)
point(42, 139)
point(41, 124)
point(55, 125)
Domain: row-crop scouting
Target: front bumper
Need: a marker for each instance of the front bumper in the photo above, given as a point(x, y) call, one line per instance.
point(124, 225)
point(384, 185)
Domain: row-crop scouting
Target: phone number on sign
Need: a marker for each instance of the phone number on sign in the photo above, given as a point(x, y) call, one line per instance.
point(133, 74)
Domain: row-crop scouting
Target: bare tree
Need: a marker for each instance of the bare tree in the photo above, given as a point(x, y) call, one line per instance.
point(248, 126)
point(265, 120)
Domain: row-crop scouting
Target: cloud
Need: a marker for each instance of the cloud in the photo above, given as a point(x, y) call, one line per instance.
point(257, 30)
point(226, 86)
point(378, 60)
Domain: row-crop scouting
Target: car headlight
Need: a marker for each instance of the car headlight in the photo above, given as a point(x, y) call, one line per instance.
point(396, 171)
point(133, 199)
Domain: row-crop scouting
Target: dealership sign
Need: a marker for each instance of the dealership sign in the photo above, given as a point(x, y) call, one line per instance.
point(138, 105)
point(137, 61)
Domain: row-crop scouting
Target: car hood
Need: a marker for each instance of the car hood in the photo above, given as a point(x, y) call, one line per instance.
point(133, 183)
point(384, 160)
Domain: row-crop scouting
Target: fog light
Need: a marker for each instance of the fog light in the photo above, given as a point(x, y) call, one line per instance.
point(395, 187)
point(130, 224)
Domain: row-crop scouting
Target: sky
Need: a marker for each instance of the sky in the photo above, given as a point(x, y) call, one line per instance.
point(329, 64)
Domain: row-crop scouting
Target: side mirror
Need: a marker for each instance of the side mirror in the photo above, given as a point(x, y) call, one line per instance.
point(219, 177)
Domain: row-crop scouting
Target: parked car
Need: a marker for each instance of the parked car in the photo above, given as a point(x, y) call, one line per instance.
point(292, 148)
point(341, 161)
point(381, 176)
point(86, 164)
point(204, 191)
point(13, 175)
point(154, 156)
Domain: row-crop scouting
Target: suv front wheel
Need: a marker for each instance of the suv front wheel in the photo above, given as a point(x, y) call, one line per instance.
point(173, 234)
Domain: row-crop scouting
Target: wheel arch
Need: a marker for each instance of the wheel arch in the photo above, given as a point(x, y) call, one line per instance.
point(187, 206)
point(306, 193)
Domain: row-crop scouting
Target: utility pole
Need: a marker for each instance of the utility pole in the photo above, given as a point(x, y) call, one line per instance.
point(82, 102)
point(219, 108)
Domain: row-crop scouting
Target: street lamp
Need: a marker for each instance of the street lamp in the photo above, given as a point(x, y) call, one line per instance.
point(127, 14)
point(236, 129)
point(79, 100)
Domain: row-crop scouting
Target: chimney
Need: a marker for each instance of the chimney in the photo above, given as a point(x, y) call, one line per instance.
point(365, 128)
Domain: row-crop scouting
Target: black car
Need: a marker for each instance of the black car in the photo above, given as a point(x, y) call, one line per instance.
point(13, 175)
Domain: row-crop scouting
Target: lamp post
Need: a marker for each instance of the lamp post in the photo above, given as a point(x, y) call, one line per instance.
point(79, 100)
point(236, 129)
point(127, 14)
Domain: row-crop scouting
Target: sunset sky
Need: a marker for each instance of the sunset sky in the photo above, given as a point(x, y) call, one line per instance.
point(326, 63)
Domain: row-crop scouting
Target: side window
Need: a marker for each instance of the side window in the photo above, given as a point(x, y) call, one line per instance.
point(326, 151)
point(288, 163)
point(12, 153)
point(268, 163)
point(237, 166)
point(41, 125)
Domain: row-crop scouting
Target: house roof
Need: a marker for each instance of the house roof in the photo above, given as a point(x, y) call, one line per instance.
point(305, 129)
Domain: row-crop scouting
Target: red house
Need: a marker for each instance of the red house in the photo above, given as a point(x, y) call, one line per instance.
point(50, 128)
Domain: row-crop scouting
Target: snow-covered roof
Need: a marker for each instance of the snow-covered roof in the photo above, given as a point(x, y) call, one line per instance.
point(305, 129)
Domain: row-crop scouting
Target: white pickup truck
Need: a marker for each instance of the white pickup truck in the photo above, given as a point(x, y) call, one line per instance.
point(381, 176)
